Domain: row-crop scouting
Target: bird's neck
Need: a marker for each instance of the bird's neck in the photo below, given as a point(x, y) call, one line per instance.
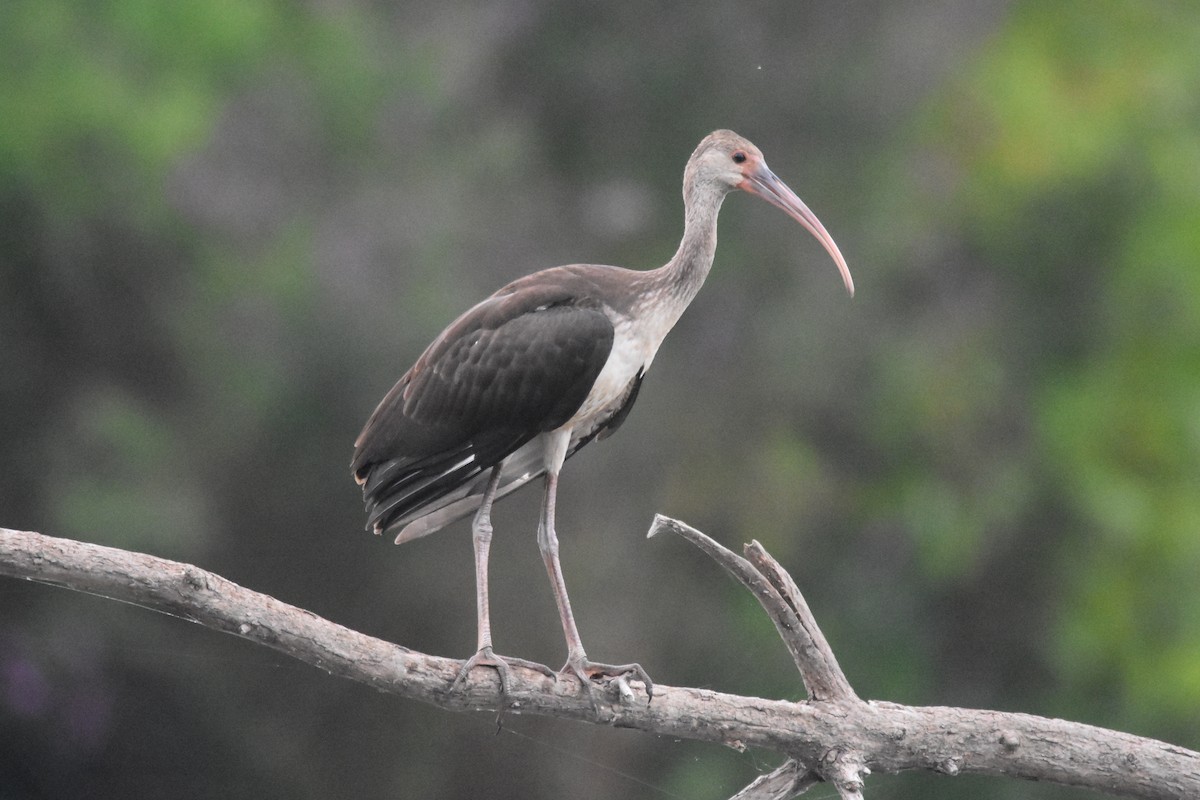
point(677, 282)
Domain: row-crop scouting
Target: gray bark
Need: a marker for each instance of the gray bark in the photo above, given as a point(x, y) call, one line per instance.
point(833, 736)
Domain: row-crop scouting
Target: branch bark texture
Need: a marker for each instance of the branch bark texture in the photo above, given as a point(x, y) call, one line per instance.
point(837, 737)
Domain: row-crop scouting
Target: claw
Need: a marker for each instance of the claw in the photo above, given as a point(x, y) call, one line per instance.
point(590, 674)
point(485, 657)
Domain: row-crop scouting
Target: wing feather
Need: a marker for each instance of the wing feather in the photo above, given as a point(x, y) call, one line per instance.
point(516, 365)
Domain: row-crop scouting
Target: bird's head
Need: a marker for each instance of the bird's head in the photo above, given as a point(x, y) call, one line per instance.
point(729, 161)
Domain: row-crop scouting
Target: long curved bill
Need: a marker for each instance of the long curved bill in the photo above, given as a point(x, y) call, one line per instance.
point(762, 182)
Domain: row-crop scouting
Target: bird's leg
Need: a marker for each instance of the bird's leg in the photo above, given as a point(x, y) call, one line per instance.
point(481, 537)
point(577, 660)
point(548, 544)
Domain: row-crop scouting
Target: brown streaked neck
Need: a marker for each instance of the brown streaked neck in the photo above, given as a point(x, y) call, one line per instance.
point(676, 283)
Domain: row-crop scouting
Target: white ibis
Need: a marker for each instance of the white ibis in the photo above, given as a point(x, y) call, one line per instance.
point(519, 383)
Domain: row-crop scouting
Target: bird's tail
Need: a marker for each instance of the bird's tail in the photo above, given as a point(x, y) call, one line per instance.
point(423, 496)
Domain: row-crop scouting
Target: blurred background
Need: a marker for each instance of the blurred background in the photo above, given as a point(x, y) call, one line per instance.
point(226, 228)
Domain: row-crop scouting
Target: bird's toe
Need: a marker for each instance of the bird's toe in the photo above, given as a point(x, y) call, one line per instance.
point(591, 673)
point(485, 657)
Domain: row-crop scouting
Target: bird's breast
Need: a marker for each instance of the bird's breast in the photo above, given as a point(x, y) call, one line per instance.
point(633, 349)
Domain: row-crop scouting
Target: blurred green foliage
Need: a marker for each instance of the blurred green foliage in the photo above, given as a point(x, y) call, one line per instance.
point(225, 228)
point(1104, 102)
point(100, 99)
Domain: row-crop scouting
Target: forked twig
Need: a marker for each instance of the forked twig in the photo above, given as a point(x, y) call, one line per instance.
point(779, 596)
point(782, 601)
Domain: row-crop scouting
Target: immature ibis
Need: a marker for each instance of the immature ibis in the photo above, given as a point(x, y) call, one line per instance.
point(520, 382)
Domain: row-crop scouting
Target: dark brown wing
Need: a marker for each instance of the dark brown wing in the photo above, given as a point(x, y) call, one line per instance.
point(518, 364)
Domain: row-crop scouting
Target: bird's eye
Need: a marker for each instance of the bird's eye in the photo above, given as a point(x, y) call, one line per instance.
point(739, 157)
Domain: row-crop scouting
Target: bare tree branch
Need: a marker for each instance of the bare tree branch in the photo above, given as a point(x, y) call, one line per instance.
point(838, 740)
point(781, 599)
point(786, 781)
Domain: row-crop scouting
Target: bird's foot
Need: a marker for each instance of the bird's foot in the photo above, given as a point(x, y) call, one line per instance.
point(593, 675)
point(484, 657)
